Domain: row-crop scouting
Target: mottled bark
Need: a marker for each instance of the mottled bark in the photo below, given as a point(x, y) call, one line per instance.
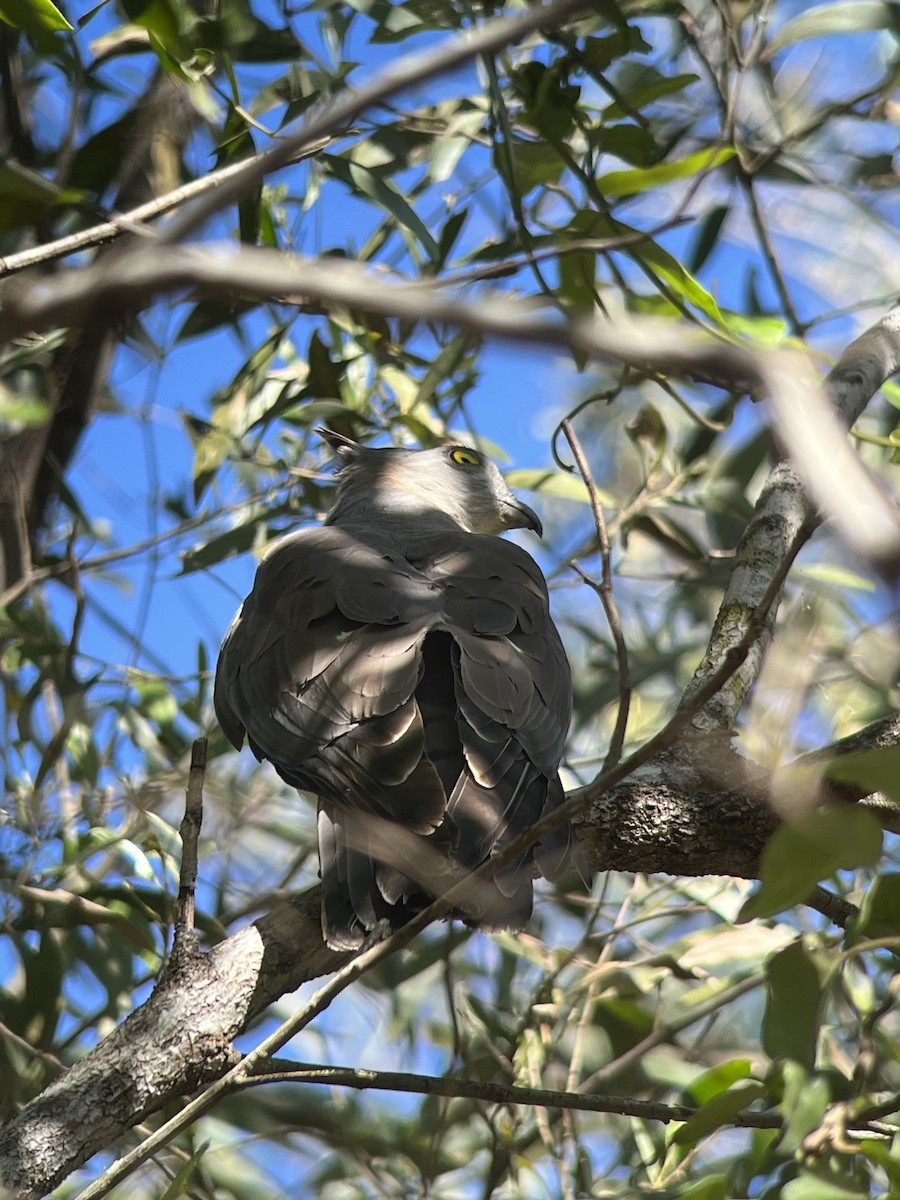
point(181, 1038)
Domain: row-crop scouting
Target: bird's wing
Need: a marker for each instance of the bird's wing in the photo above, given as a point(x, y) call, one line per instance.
point(512, 688)
point(319, 670)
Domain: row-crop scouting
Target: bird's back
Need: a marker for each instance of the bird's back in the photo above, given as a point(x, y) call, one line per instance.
point(410, 676)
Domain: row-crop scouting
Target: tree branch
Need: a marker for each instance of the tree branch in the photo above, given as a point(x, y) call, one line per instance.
point(282, 1071)
point(133, 220)
point(784, 517)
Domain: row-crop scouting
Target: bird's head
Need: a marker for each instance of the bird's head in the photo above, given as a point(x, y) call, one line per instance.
point(455, 480)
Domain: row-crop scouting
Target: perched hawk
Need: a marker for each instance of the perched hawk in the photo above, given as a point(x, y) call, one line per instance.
point(400, 663)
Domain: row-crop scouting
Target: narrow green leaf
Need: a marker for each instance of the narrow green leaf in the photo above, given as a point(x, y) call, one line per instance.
point(711, 1187)
point(576, 281)
point(879, 913)
point(803, 1104)
point(601, 52)
point(632, 143)
point(720, 1110)
point(875, 770)
point(561, 485)
point(642, 179)
point(717, 1079)
point(790, 1027)
point(535, 163)
point(157, 701)
point(22, 410)
point(19, 183)
point(882, 1154)
point(811, 848)
point(384, 194)
point(179, 1185)
point(707, 236)
point(850, 16)
point(443, 368)
point(161, 20)
point(224, 546)
point(808, 1186)
point(449, 234)
point(33, 16)
point(678, 279)
point(655, 88)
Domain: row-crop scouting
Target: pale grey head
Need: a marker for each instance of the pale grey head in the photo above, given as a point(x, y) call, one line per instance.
point(454, 480)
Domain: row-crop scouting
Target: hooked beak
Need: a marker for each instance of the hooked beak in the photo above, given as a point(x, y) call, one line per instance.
point(517, 515)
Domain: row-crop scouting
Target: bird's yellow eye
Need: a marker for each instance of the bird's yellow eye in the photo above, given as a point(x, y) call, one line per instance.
point(465, 458)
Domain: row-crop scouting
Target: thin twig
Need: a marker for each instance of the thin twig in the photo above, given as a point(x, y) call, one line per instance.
point(131, 221)
point(839, 911)
point(764, 238)
point(279, 1071)
point(184, 940)
point(666, 1032)
point(604, 590)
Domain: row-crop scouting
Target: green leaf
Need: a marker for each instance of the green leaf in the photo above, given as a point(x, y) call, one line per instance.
point(712, 1187)
point(179, 1185)
point(457, 350)
point(26, 411)
point(767, 331)
point(835, 576)
point(535, 163)
point(790, 1027)
point(851, 16)
point(161, 20)
point(707, 235)
point(808, 1186)
point(655, 88)
point(561, 485)
point(384, 194)
point(224, 546)
point(601, 52)
point(642, 179)
point(577, 287)
point(809, 849)
point(720, 1110)
point(632, 143)
point(677, 278)
point(717, 1079)
point(157, 701)
point(19, 184)
point(34, 16)
point(875, 770)
point(803, 1104)
point(879, 913)
point(651, 256)
point(882, 1154)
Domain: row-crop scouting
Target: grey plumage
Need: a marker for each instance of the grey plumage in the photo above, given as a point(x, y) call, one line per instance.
point(400, 663)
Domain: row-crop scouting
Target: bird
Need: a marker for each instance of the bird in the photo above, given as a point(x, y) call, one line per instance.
point(399, 662)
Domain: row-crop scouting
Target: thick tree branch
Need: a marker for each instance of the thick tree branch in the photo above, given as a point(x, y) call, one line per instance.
point(180, 1039)
point(784, 517)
